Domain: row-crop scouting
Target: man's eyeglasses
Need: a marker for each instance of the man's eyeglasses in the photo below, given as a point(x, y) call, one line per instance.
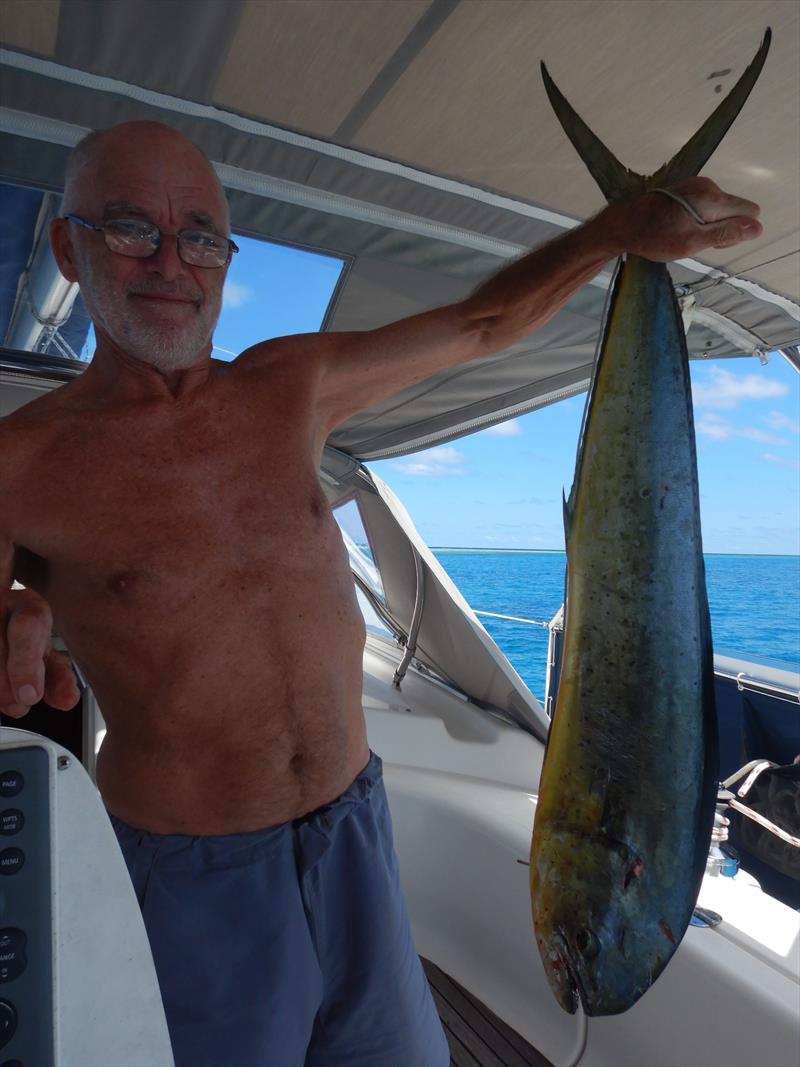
point(133, 237)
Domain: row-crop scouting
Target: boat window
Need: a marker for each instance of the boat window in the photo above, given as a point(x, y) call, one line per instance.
point(372, 620)
point(354, 534)
point(363, 566)
point(271, 289)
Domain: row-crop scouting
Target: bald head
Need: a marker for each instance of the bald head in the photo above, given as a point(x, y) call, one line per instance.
point(152, 148)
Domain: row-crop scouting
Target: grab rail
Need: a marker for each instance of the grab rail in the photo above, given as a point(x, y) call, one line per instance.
point(747, 683)
point(514, 618)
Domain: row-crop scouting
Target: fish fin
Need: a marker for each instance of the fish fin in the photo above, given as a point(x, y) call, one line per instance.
point(615, 180)
point(568, 508)
point(698, 149)
point(708, 796)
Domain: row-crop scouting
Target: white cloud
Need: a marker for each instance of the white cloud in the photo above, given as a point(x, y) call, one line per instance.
point(724, 390)
point(511, 428)
point(235, 294)
point(778, 421)
point(714, 426)
point(782, 460)
point(760, 435)
point(436, 462)
point(719, 429)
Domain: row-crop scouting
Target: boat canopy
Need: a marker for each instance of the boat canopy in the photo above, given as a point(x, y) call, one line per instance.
point(414, 138)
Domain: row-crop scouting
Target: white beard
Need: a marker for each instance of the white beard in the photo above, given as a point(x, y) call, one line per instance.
point(167, 347)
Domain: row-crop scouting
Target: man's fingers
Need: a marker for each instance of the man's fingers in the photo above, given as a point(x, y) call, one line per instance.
point(29, 668)
point(61, 686)
point(15, 711)
point(702, 216)
point(734, 205)
point(711, 203)
point(732, 231)
point(28, 638)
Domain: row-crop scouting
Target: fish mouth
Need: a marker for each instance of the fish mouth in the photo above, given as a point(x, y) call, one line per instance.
point(562, 974)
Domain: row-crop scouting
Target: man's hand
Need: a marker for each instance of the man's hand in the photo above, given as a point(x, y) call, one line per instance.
point(657, 227)
point(29, 667)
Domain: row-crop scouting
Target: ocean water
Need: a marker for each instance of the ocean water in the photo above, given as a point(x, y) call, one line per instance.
point(754, 602)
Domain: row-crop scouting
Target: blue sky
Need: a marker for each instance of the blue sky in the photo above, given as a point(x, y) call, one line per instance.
point(501, 488)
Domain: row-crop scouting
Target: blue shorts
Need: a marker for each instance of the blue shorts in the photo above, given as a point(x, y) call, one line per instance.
point(287, 947)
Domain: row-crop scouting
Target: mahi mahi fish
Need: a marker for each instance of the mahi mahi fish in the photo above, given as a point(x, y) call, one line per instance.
point(628, 788)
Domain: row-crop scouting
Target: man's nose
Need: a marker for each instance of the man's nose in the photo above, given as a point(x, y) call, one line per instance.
point(165, 260)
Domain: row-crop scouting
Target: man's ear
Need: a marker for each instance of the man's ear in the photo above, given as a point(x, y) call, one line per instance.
point(63, 252)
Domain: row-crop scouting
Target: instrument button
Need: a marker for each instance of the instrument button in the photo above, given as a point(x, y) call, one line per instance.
point(13, 960)
point(11, 783)
point(11, 860)
point(8, 1021)
point(11, 821)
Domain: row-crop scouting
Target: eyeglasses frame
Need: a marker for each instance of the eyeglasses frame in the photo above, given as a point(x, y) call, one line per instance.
point(232, 246)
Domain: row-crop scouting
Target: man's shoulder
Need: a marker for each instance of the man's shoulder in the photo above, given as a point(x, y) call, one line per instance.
point(300, 351)
point(36, 413)
point(25, 431)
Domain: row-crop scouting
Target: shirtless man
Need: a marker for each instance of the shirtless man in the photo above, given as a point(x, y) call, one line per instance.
point(188, 557)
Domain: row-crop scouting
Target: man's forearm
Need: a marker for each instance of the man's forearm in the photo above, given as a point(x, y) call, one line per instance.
point(523, 296)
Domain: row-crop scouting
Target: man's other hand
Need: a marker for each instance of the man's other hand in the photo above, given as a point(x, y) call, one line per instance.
point(659, 228)
point(30, 669)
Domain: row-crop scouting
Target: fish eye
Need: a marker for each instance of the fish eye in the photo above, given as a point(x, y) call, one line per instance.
point(586, 943)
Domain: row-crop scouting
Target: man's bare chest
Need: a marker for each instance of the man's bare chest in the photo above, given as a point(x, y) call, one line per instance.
point(135, 507)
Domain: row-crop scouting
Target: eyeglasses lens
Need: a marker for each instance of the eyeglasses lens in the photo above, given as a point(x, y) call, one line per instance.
point(140, 239)
point(131, 238)
point(203, 249)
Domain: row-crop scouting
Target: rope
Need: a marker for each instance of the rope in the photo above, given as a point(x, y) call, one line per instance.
point(684, 203)
point(698, 287)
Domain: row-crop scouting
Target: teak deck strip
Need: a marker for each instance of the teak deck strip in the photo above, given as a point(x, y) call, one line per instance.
point(476, 1036)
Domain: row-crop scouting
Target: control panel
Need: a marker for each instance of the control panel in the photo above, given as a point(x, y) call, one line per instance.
point(26, 920)
point(78, 987)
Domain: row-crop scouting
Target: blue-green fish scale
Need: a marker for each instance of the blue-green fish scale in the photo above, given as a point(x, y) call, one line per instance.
point(627, 790)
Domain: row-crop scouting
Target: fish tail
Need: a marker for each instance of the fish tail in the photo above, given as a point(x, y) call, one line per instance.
point(615, 180)
point(699, 148)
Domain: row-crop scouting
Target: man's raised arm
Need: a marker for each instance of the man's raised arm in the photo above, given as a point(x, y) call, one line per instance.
point(29, 668)
point(362, 368)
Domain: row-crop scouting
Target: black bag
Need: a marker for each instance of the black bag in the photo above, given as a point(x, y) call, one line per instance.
point(774, 794)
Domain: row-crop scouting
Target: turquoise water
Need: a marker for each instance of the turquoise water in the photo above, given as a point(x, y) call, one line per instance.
point(754, 602)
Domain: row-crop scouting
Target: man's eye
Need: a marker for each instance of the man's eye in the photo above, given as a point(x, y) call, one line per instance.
point(131, 230)
point(202, 240)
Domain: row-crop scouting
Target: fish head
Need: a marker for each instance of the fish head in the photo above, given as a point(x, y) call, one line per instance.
point(603, 939)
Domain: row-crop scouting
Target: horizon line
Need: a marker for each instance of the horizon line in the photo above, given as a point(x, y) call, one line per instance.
point(562, 551)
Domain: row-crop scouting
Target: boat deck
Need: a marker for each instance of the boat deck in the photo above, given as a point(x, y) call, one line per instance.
point(476, 1036)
